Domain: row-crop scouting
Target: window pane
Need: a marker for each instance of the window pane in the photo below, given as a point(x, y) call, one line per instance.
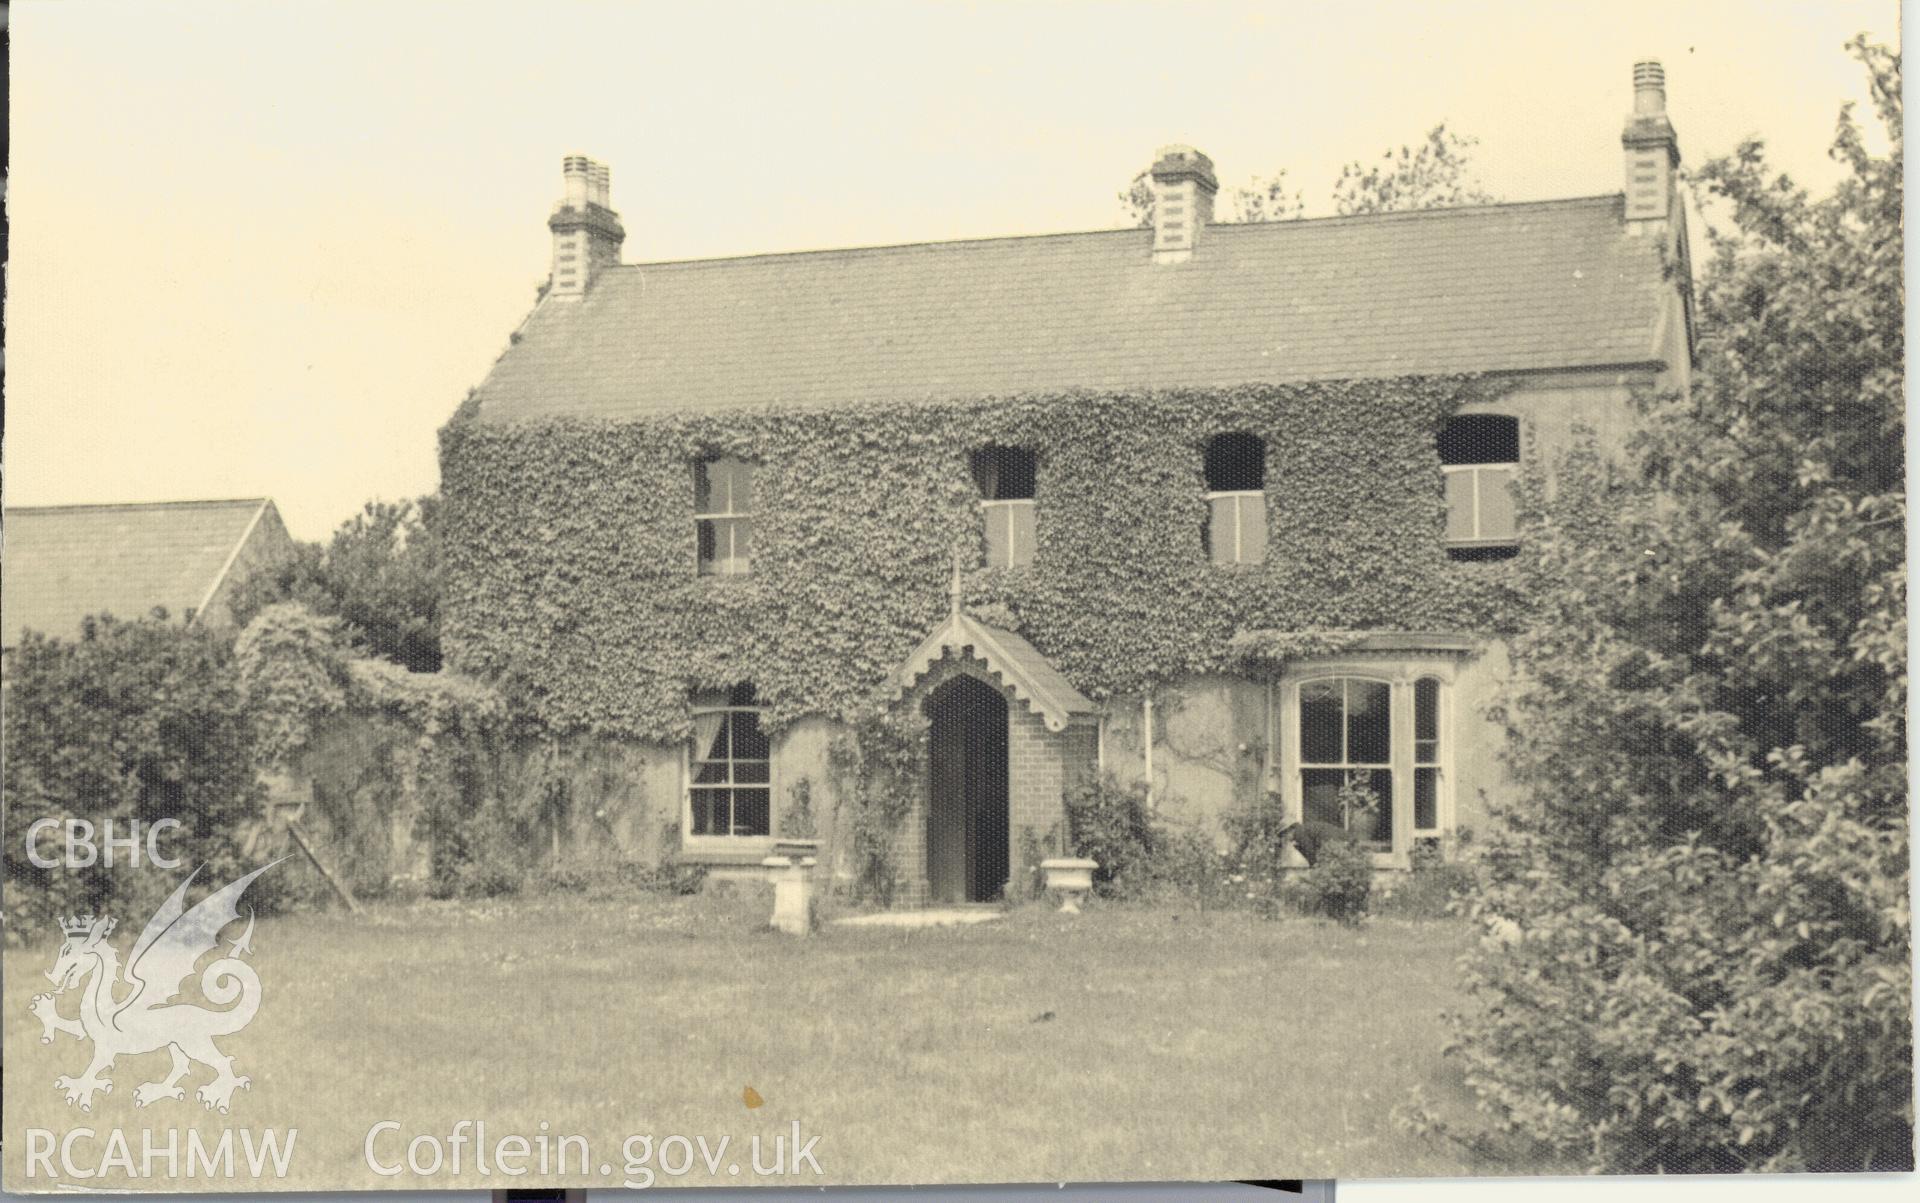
point(740, 476)
point(1221, 537)
point(749, 742)
point(751, 772)
point(1480, 439)
point(1496, 503)
point(999, 535)
point(719, 747)
point(1321, 716)
point(1369, 722)
point(1253, 528)
point(1426, 709)
point(742, 529)
point(711, 772)
point(1426, 751)
point(1460, 505)
point(1376, 825)
point(1236, 462)
point(1004, 473)
point(1426, 799)
point(723, 545)
point(751, 812)
point(1320, 794)
point(1022, 518)
point(707, 540)
point(708, 811)
point(703, 501)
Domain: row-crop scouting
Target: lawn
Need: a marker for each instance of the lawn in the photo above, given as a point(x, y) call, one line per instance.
point(1143, 1043)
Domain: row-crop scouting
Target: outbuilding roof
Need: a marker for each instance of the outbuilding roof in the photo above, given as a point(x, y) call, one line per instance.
point(66, 562)
point(1496, 288)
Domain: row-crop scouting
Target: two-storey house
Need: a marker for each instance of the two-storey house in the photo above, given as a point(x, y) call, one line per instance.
point(1231, 509)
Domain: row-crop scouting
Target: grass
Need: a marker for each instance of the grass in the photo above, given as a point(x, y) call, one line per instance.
point(1143, 1043)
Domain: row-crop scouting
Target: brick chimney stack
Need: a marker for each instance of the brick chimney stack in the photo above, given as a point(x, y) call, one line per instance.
point(1653, 151)
point(586, 231)
point(1183, 191)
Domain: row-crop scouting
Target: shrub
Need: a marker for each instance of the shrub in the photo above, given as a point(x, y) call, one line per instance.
point(133, 721)
point(1108, 822)
point(1190, 866)
point(1433, 888)
point(1340, 883)
point(1259, 836)
point(1698, 912)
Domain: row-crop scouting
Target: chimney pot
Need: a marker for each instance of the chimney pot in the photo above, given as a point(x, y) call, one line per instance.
point(1649, 88)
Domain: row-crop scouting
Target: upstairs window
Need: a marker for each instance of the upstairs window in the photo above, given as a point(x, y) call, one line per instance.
point(729, 780)
point(1236, 530)
point(1006, 476)
point(1478, 455)
point(723, 516)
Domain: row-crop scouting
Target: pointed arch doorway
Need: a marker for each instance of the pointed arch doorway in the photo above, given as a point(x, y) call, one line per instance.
point(968, 834)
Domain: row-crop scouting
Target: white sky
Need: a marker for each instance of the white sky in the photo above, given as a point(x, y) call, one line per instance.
point(266, 249)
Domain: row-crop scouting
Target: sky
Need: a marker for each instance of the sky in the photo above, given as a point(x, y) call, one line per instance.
point(265, 249)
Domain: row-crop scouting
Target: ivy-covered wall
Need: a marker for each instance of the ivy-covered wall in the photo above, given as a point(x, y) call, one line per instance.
point(570, 545)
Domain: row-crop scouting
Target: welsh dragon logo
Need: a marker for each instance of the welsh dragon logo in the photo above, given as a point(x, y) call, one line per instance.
point(144, 1021)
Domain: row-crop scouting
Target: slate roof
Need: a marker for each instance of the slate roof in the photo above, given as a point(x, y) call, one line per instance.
point(63, 563)
point(1019, 665)
point(1518, 287)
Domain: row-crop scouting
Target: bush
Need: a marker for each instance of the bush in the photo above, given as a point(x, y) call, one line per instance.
point(1259, 836)
point(1108, 822)
point(1432, 889)
point(1698, 912)
point(1189, 866)
point(1340, 883)
point(133, 721)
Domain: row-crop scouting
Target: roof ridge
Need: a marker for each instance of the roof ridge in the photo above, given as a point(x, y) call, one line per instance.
point(1439, 212)
point(139, 505)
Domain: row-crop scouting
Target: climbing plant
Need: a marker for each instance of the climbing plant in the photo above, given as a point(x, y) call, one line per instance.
point(570, 555)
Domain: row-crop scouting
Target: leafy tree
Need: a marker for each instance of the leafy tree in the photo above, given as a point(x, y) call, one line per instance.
point(1136, 201)
point(379, 574)
point(1431, 175)
point(1698, 952)
point(134, 721)
point(1267, 199)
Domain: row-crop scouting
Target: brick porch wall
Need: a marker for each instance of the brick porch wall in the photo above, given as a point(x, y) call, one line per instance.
point(1039, 765)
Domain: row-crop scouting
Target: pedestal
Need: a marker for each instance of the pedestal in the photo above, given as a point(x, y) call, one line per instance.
point(792, 893)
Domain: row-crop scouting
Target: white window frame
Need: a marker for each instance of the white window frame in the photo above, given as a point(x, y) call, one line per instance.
point(689, 756)
point(989, 512)
point(730, 514)
point(1399, 676)
point(1239, 526)
point(1479, 539)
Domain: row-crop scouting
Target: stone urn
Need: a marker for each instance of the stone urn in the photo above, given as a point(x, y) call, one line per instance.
point(1071, 877)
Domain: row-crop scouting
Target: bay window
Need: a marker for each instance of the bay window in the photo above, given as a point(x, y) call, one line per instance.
point(1364, 748)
